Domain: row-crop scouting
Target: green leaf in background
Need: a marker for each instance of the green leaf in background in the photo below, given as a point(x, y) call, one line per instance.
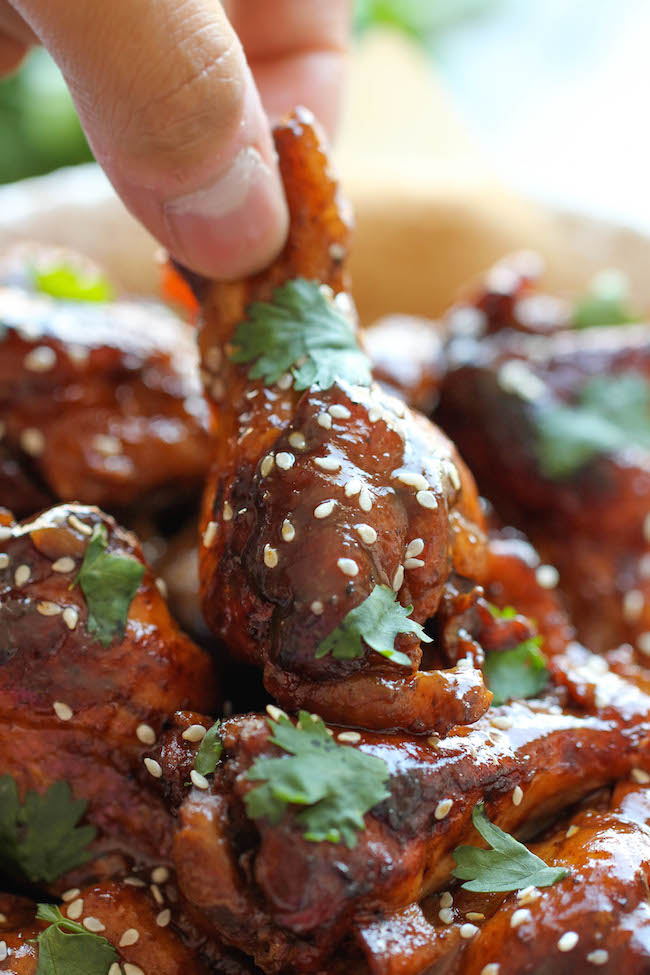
point(422, 20)
point(335, 784)
point(509, 865)
point(612, 412)
point(517, 673)
point(209, 751)
point(67, 948)
point(377, 621)
point(607, 302)
point(73, 284)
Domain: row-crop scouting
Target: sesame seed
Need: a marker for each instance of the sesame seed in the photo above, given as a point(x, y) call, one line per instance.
point(130, 936)
point(22, 574)
point(5, 533)
point(501, 722)
point(324, 509)
point(284, 460)
point(492, 969)
point(413, 563)
point(270, 556)
point(288, 531)
point(528, 894)
point(598, 957)
point(426, 499)
point(107, 445)
point(218, 390)
point(285, 381)
point(644, 566)
point(327, 463)
point(348, 567)
point(199, 780)
point(3, 950)
point(433, 740)
point(75, 909)
point(646, 528)
point(156, 891)
point(568, 941)
point(547, 576)
point(463, 664)
point(4, 560)
point(40, 359)
point(47, 608)
point(374, 414)
point(414, 548)
point(145, 734)
point(130, 969)
point(352, 487)
point(398, 578)
point(520, 917)
point(324, 420)
point(115, 969)
point(163, 919)
point(317, 607)
point(633, 603)
point(443, 807)
point(275, 713)
point(77, 353)
point(134, 882)
point(446, 899)
point(446, 915)
point(643, 643)
point(210, 534)
point(32, 441)
point(454, 476)
point(79, 525)
point(475, 916)
point(339, 412)
point(515, 377)
point(161, 586)
point(411, 479)
point(640, 775)
point(227, 511)
point(336, 251)
point(267, 465)
point(70, 617)
point(64, 564)
point(468, 931)
point(63, 711)
point(160, 875)
point(351, 736)
point(213, 357)
point(70, 895)
point(572, 830)
point(366, 533)
point(195, 732)
point(297, 440)
point(365, 500)
point(153, 767)
point(93, 924)
point(517, 795)
point(3, 918)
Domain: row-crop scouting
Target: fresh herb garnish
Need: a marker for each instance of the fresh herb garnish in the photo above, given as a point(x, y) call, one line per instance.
point(508, 865)
point(73, 284)
point(377, 621)
point(209, 751)
point(517, 673)
point(337, 783)
point(606, 302)
point(109, 583)
point(41, 839)
point(66, 948)
point(612, 412)
point(505, 613)
point(302, 332)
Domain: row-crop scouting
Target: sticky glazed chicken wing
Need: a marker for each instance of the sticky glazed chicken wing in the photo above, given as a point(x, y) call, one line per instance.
point(327, 491)
point(91, 666)
point(99, 400)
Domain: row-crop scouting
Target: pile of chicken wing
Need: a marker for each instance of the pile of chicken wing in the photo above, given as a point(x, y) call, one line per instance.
point(410, 730)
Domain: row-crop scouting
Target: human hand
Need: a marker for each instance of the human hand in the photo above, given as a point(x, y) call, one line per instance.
point(173, 113)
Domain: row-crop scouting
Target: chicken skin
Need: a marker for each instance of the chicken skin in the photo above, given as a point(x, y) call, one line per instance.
point(78, 705)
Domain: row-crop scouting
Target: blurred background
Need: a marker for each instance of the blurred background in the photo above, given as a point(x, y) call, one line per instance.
point(553, 93)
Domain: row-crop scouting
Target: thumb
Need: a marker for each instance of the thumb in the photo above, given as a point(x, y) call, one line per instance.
point(172, 114)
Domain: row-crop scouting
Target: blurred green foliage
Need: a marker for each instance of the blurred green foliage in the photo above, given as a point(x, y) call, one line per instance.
point(39, 129)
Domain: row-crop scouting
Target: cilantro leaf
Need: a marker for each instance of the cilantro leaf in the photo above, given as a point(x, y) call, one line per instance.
point(612, 412)
point(66, 948)
point(507, 613)
point(73, 284)
point(337, 783)
point(209, 751)
point(41, 838)
point(509, 865)
point(606, 302)
point(377, 621)
point(517, 673)
point(300, 331)
point(109, 583)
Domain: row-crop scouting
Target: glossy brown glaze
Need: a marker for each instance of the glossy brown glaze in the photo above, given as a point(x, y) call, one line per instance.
point(592, 525)
point(73, 710)
point(315, 497)
point(291, 903)
point(101, 401)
